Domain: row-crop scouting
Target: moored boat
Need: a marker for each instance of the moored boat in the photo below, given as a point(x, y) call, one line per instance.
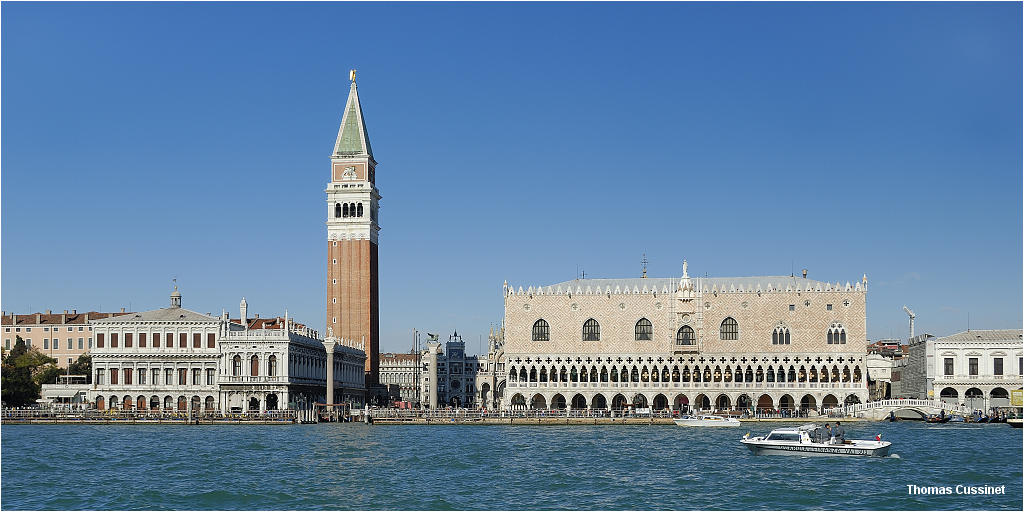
point(706, 420)
point(803, 441)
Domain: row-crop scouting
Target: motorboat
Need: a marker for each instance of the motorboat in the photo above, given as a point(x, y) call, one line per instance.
point(804, 440)
point(707, 420)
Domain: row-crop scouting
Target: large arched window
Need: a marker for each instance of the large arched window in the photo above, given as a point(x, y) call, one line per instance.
point(591, 330)
point(337, 210)
point(236, 366)
point(684, 336)
point(359, 210)
point(272, 366)
point(541, 330)
point(254, 369)
point(836, 334)
point(344, 210)
point(644, 329)
point(730, 330)
point(780, 336)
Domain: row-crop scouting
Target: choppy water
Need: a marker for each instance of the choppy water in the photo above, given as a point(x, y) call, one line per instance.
point(351, 466)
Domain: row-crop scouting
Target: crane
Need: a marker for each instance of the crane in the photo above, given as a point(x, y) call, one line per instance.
point(912, 316)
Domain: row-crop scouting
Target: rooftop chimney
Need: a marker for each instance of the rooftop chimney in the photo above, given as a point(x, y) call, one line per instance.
point(87, 318)
point(64, 317)
point(48, 312)
point(122, 310)
point(805, 273)
point(39, 319)
point(74, 311)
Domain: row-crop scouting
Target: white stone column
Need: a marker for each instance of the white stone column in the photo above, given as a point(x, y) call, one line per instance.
point(329, 345)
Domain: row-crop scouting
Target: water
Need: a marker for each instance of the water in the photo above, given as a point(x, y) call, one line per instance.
point(352, 466)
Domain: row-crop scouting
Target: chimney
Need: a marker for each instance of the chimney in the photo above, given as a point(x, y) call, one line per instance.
point(122, 310)
point(48, 312)
point(87, 318)
point(805, 273)
point(74, 311)
point(64, 317)
point(257, 315)
point(65, 311)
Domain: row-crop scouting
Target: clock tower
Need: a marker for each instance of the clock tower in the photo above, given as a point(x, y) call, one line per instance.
point(352, 226)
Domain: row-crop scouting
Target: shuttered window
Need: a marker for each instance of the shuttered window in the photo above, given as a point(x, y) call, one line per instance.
point(99, 340)
point(142, 340)
point(127, 340)
point(182, 341)
point(197, 341)
point(210, 343)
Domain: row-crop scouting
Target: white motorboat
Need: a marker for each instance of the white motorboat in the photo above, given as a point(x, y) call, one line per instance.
point(706, 420)
point(805, 441)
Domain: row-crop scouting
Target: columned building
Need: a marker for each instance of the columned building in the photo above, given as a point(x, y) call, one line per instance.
point(175, 359)
point(352, 227)
point(450, 378)
point(976, 368)
point(161, 359)
point(766, 343)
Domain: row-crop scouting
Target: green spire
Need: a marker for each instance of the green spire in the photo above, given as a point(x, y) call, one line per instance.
point(352, 137)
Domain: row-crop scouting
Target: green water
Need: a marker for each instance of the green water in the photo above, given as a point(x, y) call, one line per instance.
point(353, 466)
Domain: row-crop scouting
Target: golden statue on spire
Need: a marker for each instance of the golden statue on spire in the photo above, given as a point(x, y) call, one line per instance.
point(352, 75)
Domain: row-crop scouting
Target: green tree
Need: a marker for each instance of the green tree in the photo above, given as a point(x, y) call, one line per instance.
point(19, 370)
point(83, 366)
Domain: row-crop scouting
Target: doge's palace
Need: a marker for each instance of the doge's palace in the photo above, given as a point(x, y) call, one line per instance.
point(723, 343)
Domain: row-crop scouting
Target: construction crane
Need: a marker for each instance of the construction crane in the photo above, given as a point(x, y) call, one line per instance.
point(912, 316)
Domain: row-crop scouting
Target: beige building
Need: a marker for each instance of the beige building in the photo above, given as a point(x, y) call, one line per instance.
point(63, 336)
point(770, 342)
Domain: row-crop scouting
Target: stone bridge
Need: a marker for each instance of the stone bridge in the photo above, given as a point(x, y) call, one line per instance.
point(879, 410)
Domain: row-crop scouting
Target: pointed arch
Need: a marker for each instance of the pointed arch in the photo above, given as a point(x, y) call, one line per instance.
point(730, 329)
point(685, 336)
point(643, 330)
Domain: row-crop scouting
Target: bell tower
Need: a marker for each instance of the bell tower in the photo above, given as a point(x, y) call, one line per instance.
point(352, 226)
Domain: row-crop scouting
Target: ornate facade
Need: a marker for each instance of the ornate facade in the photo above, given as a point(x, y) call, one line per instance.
point(771, 342)
point(175, 359)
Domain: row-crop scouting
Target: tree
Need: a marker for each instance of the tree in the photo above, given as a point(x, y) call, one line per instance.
point(19, 368)
point(83, 366)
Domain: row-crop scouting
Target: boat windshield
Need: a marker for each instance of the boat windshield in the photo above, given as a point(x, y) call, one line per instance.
point(783, 436)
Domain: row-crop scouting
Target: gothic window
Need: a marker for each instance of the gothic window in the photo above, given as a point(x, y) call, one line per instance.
point(780, 336)
point(591, 330)
point(337, 210)
point(730, 330)
point(541, 331)
point(236, 366)
point(344, 210)
point(359, 210)
point(684, 336)
point(836, 334)
point(644, 329)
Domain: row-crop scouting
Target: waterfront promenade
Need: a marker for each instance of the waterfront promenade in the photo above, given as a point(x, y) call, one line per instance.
point(132, 417)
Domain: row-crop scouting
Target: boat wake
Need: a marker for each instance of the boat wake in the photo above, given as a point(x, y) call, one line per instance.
point(894, 456)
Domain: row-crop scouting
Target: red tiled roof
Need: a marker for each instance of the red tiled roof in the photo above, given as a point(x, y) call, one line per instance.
point(52, 319)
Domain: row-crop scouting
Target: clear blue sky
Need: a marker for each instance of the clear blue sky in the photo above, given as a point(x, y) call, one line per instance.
point(515, 141)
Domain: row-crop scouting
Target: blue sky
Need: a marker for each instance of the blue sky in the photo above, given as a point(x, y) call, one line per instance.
point(143, 142)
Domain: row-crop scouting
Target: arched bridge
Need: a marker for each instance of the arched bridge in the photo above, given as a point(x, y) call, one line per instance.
point(879, 410)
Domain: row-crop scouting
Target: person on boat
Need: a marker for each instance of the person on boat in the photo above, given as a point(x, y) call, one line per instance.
point(839, 433)
point(829, 434)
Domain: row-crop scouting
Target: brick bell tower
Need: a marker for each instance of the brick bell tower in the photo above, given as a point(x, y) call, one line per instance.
point(352, 226)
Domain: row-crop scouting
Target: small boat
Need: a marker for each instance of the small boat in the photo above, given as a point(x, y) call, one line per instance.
point(1014, 422)
point(706, 420)
point(801, 441)
point(938, 419)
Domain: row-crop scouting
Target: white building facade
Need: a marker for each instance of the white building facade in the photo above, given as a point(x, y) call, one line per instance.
point(176, 359)
point(976, 368)
point(766, 343)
